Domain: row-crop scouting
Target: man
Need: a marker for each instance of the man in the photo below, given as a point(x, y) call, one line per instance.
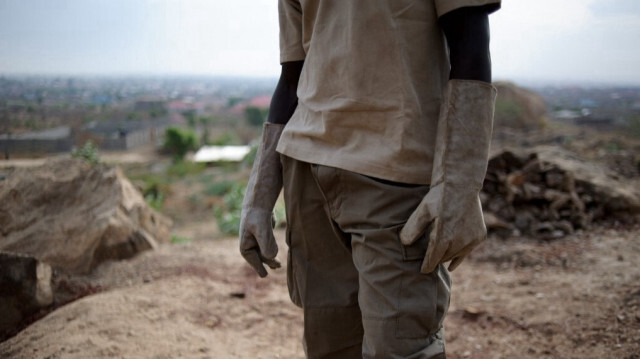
point(388, 110)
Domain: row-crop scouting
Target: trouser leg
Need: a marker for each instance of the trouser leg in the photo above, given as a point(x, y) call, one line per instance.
point(402, 309)
point(320, 273)
point(350, 272)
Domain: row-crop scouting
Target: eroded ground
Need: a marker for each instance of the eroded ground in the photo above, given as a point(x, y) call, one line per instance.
point(577, 297)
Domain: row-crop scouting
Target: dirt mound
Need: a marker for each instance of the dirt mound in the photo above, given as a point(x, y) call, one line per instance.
point(576, 297)
point(194, 300)
point(519, 108)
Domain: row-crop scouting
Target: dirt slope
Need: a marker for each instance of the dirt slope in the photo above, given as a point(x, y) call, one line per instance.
point(573, 298)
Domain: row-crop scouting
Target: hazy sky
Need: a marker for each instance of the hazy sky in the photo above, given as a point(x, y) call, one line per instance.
point(540, 40)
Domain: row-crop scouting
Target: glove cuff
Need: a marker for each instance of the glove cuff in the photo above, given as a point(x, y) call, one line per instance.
point(464, 134)
point(267, 171)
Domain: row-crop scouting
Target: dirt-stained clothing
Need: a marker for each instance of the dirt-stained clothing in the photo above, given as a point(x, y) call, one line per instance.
point(370, 90)
point(357, 159)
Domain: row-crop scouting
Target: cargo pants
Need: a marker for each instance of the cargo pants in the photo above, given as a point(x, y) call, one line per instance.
point(361, 290)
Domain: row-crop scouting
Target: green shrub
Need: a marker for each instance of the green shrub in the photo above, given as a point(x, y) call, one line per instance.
point(88, 152)
point(219, 188)
point(155, 201)
point(508, 112)
point(181, 169)
point(228, 215)
point(178, 142)
point(250, 157)
point(280, 215)
point(195, 199)
point(225, 139)
point(153, 192)
point(254, 116)
point(179, 240)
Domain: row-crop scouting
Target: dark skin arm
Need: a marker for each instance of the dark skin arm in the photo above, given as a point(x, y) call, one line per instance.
point(285, 99)
point(467, 33)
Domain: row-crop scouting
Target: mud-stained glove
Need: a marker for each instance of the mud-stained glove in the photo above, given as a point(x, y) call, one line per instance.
point(257, 243)
point(452, 205)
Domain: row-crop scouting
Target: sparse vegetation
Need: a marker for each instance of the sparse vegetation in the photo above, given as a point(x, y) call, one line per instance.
point(507, 111)
point(251, 156)
point(155, 200)
point(219, 188)
point(182, 169)
point(179, 141)
point(225, 139)
point(634, 126)
point(228, 214)
point(195, 196)
point(88, 152)
point(179, 240)
point(254, 116)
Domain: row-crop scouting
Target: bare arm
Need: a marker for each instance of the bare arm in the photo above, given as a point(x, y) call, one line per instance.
point(285, 99)
point(467, 33)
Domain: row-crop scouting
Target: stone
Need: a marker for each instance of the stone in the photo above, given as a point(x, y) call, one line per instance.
point(74, 215)
point(25, 288)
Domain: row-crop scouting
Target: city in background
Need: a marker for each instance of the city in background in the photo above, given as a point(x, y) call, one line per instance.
point(127, 126)
point(54, 114)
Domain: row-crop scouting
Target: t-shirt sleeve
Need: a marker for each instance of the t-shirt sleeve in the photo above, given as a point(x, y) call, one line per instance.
point(445, 6)
point(291, 43)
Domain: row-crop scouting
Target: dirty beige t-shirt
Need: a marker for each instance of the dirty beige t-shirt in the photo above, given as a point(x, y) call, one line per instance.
point(369, 92)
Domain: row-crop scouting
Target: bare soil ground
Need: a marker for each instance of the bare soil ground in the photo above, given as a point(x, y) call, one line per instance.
point(577, 297)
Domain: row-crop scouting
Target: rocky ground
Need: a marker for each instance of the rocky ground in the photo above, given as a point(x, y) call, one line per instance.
point(576, 297)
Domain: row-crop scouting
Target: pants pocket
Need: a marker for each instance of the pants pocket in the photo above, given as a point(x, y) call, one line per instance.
point(417, 250)
point(423, 303)
point(294, 292)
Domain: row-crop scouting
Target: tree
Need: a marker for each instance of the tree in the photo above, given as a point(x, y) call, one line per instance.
point(190, 116)
point(205, 120)
point(179, 141)
point(254, 116)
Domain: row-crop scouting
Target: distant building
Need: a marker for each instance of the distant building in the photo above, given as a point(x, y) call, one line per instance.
point(150, 104)
point(567, 116)
point(182, 106)
point(211, 154)
point(54, 140)
point(601, 123)
point(124, 135)
point(586, 117)
point(588, 103)
point(262, 102)
point(15, 106)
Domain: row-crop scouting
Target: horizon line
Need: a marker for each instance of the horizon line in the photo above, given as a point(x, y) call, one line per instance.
point(157, 75)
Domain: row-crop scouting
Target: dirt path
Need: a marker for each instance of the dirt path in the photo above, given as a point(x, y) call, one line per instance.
point(573, 298)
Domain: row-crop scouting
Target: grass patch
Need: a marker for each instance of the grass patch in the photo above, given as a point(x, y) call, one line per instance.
point(218, 189)
point(182, 169)
point(228, 214)
point(179, 240)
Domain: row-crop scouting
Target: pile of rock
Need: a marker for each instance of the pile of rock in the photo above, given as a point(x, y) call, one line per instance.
point(549, 192)
point(67, 216)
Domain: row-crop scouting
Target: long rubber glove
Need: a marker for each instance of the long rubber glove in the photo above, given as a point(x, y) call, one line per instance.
point(452, 205)
point(257, 243)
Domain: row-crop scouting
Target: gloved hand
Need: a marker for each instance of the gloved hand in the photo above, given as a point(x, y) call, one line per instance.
point(257, 243)
point(452, 205)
